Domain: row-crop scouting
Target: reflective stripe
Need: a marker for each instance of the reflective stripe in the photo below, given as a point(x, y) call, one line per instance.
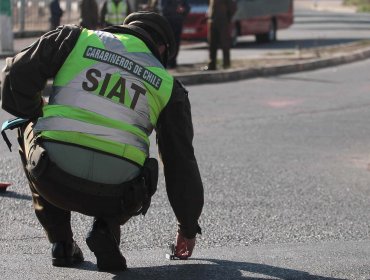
point(110, 40)
point(112, 43)
point(99, 105)
point(146, 59)
point(63, 124)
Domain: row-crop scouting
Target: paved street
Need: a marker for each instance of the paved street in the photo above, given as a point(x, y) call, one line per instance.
point(285, 163)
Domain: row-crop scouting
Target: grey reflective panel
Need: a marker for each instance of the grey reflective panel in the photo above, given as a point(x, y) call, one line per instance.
point(100, 105)
point(63, 124)
point(111, 42)
point(142, 105)
point(145, 59)
point(77, 81)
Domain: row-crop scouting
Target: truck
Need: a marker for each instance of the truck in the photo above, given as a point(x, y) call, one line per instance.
point(261, 18)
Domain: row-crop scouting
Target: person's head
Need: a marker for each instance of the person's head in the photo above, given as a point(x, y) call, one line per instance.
point(159, 30)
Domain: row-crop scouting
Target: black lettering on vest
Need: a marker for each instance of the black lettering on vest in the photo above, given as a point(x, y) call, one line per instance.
point(138, 90)
point(93, 80)
point(105, 84)
point(120, 85)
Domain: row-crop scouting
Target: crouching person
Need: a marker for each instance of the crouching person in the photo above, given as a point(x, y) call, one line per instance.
point(87, 149)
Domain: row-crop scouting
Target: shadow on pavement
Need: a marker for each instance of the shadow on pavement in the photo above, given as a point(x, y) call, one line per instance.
point(290, 78)
point(12, 194)
point(217, 269)
point(286, 44)
point(87, 265)
point(292, 44)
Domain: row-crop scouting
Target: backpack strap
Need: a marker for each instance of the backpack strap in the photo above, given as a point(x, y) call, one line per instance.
point(11, 124)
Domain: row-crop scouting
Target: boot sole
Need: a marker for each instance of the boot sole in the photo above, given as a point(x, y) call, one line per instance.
point(66, 262)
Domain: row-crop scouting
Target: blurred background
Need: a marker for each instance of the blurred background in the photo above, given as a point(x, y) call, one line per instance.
point(33, 15)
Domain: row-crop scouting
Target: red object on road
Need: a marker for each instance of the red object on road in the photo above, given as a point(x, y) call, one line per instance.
point(3, 186)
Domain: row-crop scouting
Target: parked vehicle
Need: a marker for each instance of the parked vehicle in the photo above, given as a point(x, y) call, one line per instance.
point(261, 18)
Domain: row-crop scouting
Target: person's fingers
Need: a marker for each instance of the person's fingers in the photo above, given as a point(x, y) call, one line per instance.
point(184, 247)
point(180, 248)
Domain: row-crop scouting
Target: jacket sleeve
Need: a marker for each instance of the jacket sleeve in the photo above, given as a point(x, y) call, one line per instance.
point(25, 75)
point(183, 181)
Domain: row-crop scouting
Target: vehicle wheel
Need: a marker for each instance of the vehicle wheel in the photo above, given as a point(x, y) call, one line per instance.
point(234, 35)
point(272, 31)
point(269, 36)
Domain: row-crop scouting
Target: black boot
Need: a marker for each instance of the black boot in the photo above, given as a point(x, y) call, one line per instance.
point(102, 242)
point(66, 254)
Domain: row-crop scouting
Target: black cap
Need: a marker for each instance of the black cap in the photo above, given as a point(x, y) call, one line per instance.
point(150, 21)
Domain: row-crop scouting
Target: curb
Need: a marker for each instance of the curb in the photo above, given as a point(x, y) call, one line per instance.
point(4, 55)
point(21, 35)
point(199, 77)
point(218, 76)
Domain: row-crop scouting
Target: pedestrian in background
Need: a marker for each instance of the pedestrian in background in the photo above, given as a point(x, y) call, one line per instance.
point(56, 13)
point(152, 5)
point(114, 12)
point(175, 11)
point(89, 14)
point(220, 13)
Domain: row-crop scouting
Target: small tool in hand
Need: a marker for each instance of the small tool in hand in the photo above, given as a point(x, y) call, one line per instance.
point(171, 256)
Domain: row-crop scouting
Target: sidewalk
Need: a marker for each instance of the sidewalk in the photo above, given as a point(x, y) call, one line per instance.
point(192, 75)
point(325, 5)
point(245, 69)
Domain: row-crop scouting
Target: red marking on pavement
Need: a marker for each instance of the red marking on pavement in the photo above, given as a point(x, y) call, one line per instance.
point(282, 103)
point(360, 162)
point(4, 185)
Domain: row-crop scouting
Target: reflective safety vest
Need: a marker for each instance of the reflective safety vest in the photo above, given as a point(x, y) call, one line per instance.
point(116, 13)
point(107, 96)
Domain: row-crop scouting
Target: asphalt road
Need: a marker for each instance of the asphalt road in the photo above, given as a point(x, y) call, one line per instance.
point(285, 165)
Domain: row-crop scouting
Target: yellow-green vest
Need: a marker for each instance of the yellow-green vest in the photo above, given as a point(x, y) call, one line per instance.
point(107, 96)
point(116, 13)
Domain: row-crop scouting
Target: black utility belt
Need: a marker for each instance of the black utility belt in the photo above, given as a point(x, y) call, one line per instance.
point(94, 188)
point(100, 189)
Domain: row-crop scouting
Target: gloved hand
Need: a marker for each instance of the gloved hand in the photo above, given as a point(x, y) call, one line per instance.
point(184, 247)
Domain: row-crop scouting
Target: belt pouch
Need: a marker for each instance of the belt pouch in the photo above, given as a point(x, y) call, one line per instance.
point(37, 162)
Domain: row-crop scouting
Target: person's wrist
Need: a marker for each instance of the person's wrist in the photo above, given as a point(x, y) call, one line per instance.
point(189, 232)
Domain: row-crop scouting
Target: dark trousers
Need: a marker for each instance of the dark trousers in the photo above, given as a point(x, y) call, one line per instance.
point(176, 24)
point(54, 199)
point(219, 37)
point(54, 22)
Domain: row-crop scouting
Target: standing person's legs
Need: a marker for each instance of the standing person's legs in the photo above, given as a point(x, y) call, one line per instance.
point(225, 44)
point(176, 25)
point(54, 23)
point(213, 38)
